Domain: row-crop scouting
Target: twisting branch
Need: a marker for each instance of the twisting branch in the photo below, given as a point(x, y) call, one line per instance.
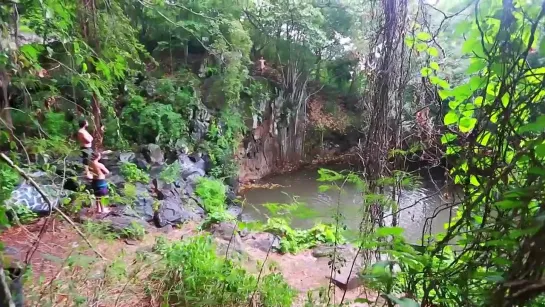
point(48, 201)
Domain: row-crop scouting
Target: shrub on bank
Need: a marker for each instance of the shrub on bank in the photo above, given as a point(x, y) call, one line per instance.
point(192, 274)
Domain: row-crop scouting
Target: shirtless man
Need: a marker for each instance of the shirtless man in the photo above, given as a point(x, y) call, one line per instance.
point(99, 184)
point(262, 64)
point(86, 142)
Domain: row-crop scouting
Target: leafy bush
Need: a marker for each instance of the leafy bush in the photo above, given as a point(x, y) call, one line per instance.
point(55, 147)
point(8, 180)
point(22, 214)
point(132, 173)
point(192, 274)
point(213, 194)
point(152, 122)
point(171, 173)
point(55, 125)
point(294, 240)
point(135, 231)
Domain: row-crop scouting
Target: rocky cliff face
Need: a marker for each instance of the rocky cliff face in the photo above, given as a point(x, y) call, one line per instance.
point(274, 142)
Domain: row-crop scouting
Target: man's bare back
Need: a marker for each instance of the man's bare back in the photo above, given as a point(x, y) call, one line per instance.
point(98, 170)
point(99, 184)
point(85, 138)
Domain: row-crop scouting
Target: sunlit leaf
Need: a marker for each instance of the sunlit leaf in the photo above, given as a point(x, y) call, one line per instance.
point(451, 118)
point(448, 137)
point(389, 231)
point(540, 150)
point(478, 101)
point(467, 124)
point(423, 36)
point(475, 66)
point(432, 51)
point(484, 137)
point(425, 71)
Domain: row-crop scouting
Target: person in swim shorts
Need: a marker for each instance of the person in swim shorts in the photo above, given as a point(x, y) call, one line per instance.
point(99, 183)
point(86, 142)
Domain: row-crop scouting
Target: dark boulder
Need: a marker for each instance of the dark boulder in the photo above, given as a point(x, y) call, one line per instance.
point(27, 196)
point(176, 210)
point(263, 241)
point(234, 210)
point(199, 129)
point(124, 224)
point(153, 154)
point(143, 205)
point(227, 233)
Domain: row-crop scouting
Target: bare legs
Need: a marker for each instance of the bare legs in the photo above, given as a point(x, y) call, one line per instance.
point(100, 208)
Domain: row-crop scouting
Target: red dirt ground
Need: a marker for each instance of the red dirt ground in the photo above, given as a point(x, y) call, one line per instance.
point(302, 271)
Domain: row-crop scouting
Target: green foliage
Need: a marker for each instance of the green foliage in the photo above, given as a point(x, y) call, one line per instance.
point(56, 126)
point(23, 214)
point(192, 274)
point(54, 147)
point(213, 194)
point(8, 181)
point(152, 122)
point(171, 173)
point(294, 240)
point(135, 231)
point(132, 173)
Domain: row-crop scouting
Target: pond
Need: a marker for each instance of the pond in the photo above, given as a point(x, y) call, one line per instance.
point(303, 186)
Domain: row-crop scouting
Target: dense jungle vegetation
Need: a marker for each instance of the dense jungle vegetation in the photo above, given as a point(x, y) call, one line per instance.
point(458, 85)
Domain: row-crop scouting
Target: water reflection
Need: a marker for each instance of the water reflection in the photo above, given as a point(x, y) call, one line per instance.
point(303, 187)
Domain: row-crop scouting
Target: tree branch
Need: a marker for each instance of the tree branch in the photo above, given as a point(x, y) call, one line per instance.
point(48, 201)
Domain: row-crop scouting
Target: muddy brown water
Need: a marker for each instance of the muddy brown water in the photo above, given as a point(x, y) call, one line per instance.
point(422, 203)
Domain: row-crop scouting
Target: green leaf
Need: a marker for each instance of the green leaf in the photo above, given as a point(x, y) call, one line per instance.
point(474, 181)
point(540, 150)
point(84, 67)
point(478, 101)
point(432, 51)
point(451, 118)
point(435, 80)
point(425, 71)
point(448, 137)
point(444, 94)
point(484, 137)
point(389, 231)
point(434, 66)
point(421, 47)
point(362, 300)
point(444, 84)
point(536, 171)
point(409, 41)
point(537, 126)
point(467, 124)
point(423, 36)
point(475, 66)
point(476, 82)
